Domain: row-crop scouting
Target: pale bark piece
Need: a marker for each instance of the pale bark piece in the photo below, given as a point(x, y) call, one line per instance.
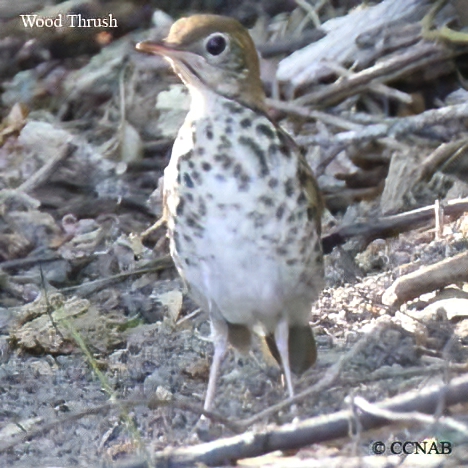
point(427, 279)
point(309, 64)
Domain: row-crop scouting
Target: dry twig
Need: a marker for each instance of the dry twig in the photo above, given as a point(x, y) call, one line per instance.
point(392, 127)
point(390, 225)
point(315, 430)
point(48, 169)
point(427, 279)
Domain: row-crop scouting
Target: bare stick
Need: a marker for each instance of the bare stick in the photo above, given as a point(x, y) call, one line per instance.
point(152, 403)
point(85, 289)
point(48, 169)
point(427, 279)
point(391, 225)
point(409, 417)
point(313, 430)
point(392, 127)
point(424, 54)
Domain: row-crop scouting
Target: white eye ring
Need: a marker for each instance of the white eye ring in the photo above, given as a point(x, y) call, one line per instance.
point(216, 44)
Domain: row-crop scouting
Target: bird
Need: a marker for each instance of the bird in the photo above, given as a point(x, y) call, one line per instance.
point(242, 206)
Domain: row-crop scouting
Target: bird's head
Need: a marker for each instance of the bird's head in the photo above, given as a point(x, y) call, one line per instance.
point(213, 53)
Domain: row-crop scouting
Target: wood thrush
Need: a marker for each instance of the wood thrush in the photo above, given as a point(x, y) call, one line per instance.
point(242, 206)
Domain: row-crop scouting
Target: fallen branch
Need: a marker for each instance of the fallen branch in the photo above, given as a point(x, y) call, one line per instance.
point(427, 279)
point(43, 174)
point(418, 56)
point(92, 287)
point(308, 65)
point(151, 403)
point(390, 226)
point(410, 417)
point(313, 430)
point(29, 261)
point(393, 127)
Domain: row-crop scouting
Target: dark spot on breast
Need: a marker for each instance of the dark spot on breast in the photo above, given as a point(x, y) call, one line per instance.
point(272, 183)
point(189, 197)
point(209, 132)
point(188, 182)
point(301, 199)
point(245, 123)
point(225, 143)
point(293, 231)
point(179, 179)
point(229, 120)
point(243, 180)
point(206, 166)
point(267, 201)
point(291, 261)
point(187, 238)
point(195, 216)
point(258, 152)
point(197, 177)
point(180, 207)
point(266, 130)
point(317, 247)
point(228, 130)
point(201, 207)
point(281, 251)
point(289, 187)
point(193, 223)
point(220, 178)
point(221, 206)
point(200, 150)
point(191, 164)
point(287, 143)
point(187, 261)
point(225, 160)
point(258, 218)
point(272, 149)
point(285, 151)
point(291, 218)
point(280, 211)
point(244, 183)
point(234, 108)
point(187, 156)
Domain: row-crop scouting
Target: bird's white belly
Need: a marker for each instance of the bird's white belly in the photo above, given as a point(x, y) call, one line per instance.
point(239, 277)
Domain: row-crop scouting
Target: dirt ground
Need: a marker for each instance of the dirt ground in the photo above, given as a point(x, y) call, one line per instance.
point(170, 359)
point(104, 359)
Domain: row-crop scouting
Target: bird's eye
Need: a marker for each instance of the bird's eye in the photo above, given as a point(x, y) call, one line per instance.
point(216, 44)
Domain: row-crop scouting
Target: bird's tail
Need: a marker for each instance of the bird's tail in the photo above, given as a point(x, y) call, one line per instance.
point(302, 348)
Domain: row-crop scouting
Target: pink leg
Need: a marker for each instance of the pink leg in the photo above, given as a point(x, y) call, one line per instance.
point(281, 339)
point(219, 332)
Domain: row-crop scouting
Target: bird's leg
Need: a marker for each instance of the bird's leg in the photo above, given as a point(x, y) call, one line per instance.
point(282, 343)
point(219, 331)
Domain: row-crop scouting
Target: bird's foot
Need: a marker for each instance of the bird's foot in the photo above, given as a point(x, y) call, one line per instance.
point(205, 430)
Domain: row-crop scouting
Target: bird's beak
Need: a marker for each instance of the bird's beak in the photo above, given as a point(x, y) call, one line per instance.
point(158, 48)
point(181, 61)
